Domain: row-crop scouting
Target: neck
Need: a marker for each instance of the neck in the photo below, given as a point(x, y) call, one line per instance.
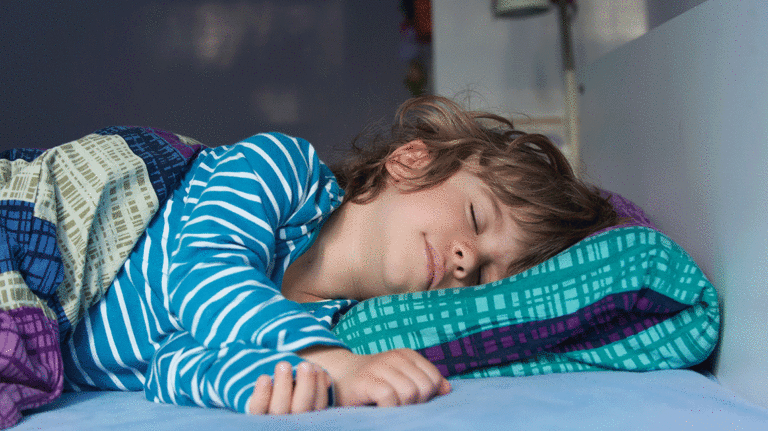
point(328, 269)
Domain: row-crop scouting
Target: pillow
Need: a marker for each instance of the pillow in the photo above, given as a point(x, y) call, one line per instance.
point(628, 298)
point(628, 210)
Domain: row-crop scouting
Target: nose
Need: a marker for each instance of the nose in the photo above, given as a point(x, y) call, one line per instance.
point(465, 261)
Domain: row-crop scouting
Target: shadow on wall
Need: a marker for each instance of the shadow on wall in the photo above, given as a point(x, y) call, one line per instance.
point(661, 11)
point(217, 71)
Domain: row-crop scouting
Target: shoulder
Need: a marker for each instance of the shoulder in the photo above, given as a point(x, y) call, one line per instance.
point(279, 160)
point(266, 155)
point(279, 149)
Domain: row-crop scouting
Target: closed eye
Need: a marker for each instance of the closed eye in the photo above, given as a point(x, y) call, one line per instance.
point(474, 219)
point(477, 232)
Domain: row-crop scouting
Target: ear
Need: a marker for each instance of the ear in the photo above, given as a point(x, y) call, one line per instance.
point(407, 160)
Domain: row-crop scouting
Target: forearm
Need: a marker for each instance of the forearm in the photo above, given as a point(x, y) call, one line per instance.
point(183, 372)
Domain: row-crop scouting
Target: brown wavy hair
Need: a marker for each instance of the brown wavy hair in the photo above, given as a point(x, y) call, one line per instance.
point(526, 172)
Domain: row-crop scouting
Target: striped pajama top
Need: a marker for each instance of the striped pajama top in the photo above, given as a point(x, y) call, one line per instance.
point(195, 316)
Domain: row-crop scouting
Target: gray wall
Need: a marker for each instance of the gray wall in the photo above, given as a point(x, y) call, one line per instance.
point(661, 11)
point(515, 66)
point(677, 121)
point(216, 71)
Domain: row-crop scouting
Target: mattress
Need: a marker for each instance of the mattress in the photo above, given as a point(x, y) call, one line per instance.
point(600, 400)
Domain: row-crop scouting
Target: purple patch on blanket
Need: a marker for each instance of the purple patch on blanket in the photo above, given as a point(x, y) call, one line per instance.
point(31, 372)
point(186, 151)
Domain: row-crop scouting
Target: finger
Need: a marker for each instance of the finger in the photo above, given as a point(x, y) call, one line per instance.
point(323, 385)
point(428, 378)
point(397, 388)
point(262, 394)
point(366, 388)
point(414, 378)
point(282, 390)
point(427, 367)
point(445, 387)
point(424, 387)
point(305, 390)
point(381, 394)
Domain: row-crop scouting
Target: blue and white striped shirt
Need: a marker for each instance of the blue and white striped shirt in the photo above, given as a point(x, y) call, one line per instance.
point(196, 315)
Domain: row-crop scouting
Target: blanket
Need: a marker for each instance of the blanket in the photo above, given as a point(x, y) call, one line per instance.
point(69, 217)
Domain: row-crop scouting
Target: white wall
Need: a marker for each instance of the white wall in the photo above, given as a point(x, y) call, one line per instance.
point(515, 64)
point(677, 121)
point(511, 71)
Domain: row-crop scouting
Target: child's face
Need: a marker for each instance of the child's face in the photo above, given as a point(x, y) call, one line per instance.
point(456, 234)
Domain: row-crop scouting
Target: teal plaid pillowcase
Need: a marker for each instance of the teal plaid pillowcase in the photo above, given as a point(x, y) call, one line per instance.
point(626, 299)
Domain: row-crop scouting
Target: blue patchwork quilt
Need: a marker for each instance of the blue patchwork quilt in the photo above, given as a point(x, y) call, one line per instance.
point(69, 217)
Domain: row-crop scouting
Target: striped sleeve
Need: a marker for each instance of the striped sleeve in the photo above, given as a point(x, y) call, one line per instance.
point(247, 202)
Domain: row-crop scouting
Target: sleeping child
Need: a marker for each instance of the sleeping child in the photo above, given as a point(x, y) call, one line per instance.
point(229, 297)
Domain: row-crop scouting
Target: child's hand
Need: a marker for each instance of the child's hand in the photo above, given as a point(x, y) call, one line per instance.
point(309, 392)
point(393, 378)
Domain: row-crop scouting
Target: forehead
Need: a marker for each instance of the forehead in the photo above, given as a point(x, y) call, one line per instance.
point(480, 186)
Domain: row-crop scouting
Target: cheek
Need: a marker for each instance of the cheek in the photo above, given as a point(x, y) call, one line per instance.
point(404, 263)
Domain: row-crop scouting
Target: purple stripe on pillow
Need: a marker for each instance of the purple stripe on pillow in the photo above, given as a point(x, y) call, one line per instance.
point(609, 320)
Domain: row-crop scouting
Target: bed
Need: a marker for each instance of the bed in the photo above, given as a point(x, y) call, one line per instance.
point(620, 331)
point(658, 400)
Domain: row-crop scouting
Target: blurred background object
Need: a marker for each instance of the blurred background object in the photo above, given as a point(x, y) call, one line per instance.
point(566, 9)
point(216, 70)
point(520, 8)
point(416, 45)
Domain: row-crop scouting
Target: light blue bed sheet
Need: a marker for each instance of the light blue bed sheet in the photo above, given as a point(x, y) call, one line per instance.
point(609, 400)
